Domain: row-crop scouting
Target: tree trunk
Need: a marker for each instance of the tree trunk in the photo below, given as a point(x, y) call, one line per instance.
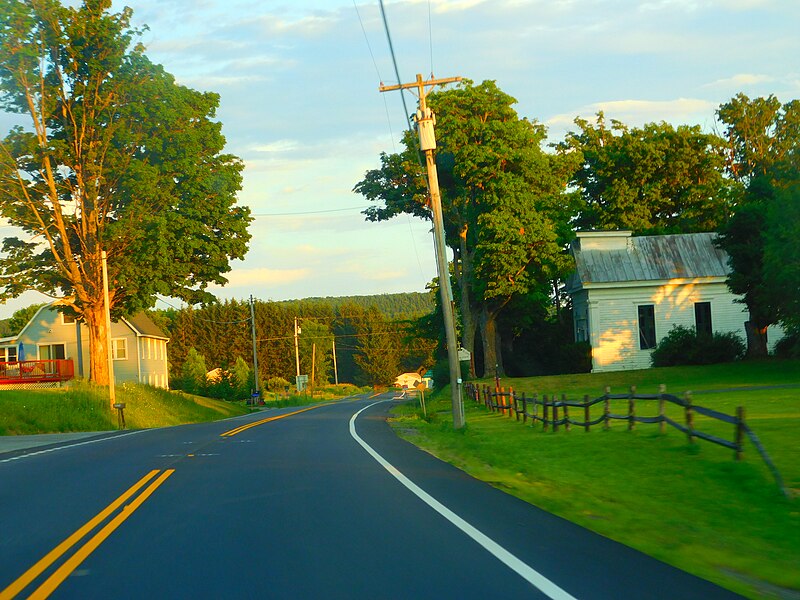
point(492, 357)
point(469, 314)
point(756, 340)
point(95, 320)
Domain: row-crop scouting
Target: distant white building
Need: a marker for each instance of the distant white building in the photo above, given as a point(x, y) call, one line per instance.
point(407, 380)
point(627, 293)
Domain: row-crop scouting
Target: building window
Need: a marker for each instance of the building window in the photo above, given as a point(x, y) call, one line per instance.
point(52, 352)
point(702, 318)
point(581, 331)
point(119, 348)
point(8, 354)
point(647, 326)
point(67, 319)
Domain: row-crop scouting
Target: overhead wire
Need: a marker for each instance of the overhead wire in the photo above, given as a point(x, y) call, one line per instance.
point(377, 72)
point(386, 104)
point(309, 212)
point(430, 34)
point(247, 320)
point(394, 62)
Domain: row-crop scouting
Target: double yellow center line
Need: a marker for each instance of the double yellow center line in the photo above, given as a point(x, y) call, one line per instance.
point(66, 568)
point(242, 428)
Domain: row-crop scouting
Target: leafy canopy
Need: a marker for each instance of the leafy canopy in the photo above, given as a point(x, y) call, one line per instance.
point(118, 157)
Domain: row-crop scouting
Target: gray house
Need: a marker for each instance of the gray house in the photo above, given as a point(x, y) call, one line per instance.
point(627, 293)
point(139, 347)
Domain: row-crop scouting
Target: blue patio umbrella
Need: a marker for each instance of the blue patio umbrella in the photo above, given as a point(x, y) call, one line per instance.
point(21, 352)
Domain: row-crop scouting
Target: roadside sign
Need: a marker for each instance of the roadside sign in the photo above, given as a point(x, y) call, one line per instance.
point(301, 381)
point(464, 354)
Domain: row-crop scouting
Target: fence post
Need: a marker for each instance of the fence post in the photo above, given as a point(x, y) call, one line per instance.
point(544, 412)
point(586, 413)
point(739, 439)
point(632, 408)
point(505, 402)
point(516, 404)
point(555, 412)
point(524, 409)
point(535, 408)
point(606, 409)
point(689, 416)
point(662, 424)
point(566, 412)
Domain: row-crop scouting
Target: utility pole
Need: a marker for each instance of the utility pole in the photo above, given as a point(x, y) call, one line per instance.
point(335, 369)
point(297, 352)
point(110, 355)
point(255, 351)
point(313, 364)
point(427, 143)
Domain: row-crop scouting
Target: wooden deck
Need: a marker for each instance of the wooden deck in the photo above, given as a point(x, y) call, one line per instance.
point(36, 371)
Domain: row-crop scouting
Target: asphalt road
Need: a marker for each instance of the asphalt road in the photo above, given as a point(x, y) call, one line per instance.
point(317, 504)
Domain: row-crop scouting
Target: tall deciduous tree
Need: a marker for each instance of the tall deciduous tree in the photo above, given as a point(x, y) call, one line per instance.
point(119, 158)
point(763, 150)
point(506, 214)
point(653, 179)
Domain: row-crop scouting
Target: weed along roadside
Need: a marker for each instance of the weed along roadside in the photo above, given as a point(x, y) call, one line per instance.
point(689, 504)
point(83, 407)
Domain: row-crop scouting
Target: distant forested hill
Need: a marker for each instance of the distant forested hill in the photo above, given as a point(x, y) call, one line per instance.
point(407, 305)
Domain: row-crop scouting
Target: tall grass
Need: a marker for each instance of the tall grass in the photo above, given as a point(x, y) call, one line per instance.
point(312, 396)
point(692, 506)
point(85, 407)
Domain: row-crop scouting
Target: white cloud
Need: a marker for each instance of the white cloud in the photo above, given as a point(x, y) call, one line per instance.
point(638, 112)
point(277, 146)
point(262, 276)
point(741, 80)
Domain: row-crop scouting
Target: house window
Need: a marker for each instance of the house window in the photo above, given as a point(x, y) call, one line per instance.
point(581, 330)
point(119, 348)
point(52, 352)
point(702, 318)
point(647, 326)
point(8, 354)
point(67, 319)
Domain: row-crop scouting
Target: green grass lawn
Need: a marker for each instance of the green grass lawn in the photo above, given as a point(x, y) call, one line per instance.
point(691, 506)
point(84, 407)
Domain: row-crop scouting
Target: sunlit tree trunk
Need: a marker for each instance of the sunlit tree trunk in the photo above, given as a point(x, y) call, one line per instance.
point(95, 320)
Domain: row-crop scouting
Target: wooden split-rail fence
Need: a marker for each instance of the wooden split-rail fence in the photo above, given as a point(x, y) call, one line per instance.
point(554, 412)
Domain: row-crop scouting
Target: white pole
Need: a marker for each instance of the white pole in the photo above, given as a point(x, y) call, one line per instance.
point(109, 352)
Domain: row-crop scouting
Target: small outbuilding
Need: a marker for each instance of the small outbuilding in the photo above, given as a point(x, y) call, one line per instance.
point(627, 292)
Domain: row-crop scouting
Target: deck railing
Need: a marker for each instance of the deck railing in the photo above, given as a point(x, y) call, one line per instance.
point(36, 371)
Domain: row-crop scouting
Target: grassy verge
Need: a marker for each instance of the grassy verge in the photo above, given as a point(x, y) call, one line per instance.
point(323, 394)
point(84, 407)
point(691, 506)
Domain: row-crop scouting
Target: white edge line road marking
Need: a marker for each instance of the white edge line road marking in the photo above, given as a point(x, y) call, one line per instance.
point(532, 576)
point(38, 452)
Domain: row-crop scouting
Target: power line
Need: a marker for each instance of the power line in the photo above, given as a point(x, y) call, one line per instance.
point(308, 212)
point(194, 316)
point(394, 62)
point(364, 31)
point(430, 35)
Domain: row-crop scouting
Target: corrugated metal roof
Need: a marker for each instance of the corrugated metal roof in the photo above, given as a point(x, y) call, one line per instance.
point(652, 258)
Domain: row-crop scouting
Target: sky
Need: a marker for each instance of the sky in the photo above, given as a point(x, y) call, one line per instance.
point(299, 102)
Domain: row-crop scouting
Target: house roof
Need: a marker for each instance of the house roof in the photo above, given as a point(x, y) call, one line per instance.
point(647, 258)
point(143, 325)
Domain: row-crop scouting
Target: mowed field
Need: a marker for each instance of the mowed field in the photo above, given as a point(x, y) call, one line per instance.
point(691, 505)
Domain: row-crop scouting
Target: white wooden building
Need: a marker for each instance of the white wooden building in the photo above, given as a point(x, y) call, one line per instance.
point(627, 293)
